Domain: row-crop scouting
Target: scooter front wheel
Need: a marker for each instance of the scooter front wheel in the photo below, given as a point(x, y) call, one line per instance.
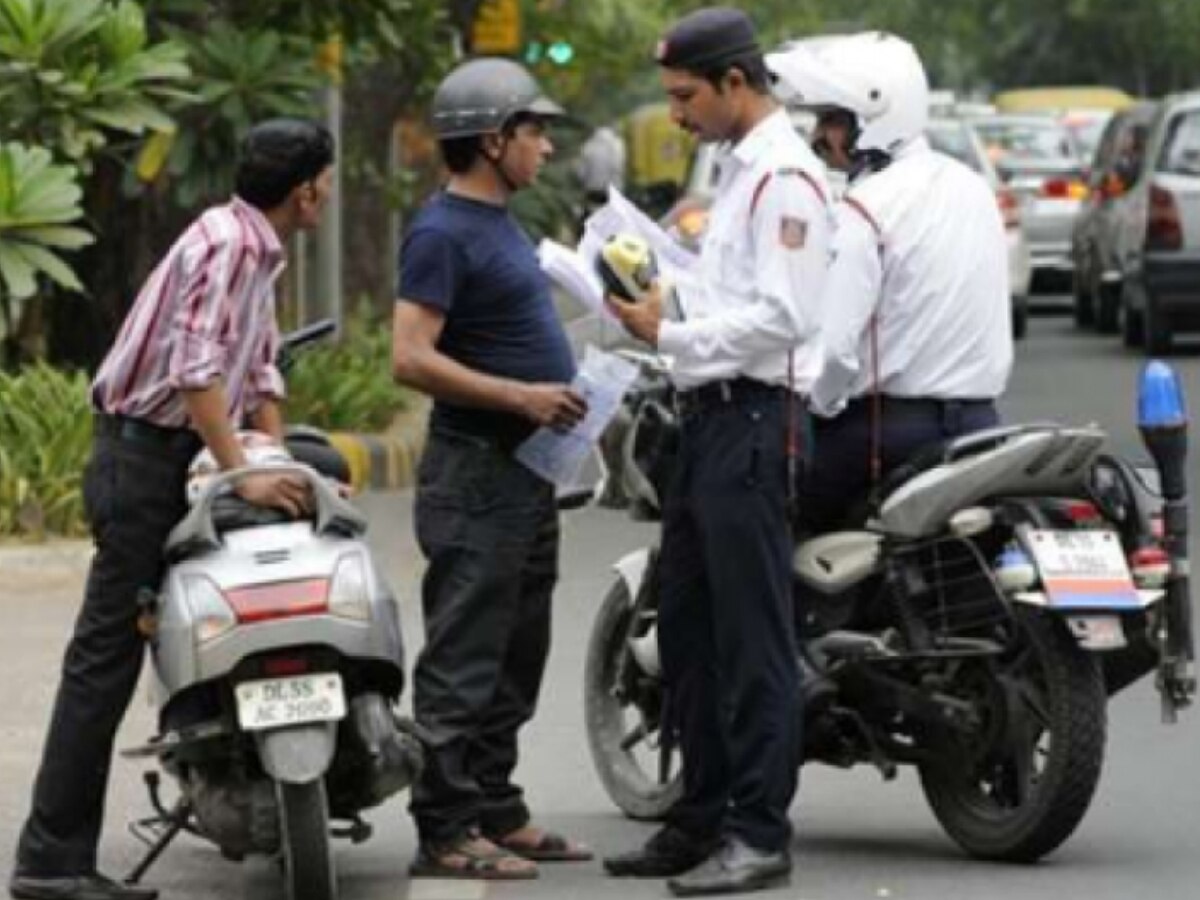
point(308, 870)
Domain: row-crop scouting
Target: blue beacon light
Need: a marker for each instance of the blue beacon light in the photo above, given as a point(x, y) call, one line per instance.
point(1160, 397)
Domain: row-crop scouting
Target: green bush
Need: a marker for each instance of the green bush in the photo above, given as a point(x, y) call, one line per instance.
point(45, 437)
point(347, 387)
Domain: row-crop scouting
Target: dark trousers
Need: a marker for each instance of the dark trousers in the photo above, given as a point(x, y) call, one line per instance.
point(839, 475)
point(725, 622)
point(134, 495)
point(489, 530)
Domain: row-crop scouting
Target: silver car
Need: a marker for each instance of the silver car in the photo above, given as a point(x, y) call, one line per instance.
point(1160, 266)
point(1038, 159)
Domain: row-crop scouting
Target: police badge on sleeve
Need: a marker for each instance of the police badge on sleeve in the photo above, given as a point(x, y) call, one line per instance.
point(793, 232)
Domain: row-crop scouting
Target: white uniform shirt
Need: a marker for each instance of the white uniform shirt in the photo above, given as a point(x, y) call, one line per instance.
point(938, 286)
point(762, 266)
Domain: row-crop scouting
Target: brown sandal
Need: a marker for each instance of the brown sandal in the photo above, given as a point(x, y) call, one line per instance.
point(550, 847)
point(480, 860)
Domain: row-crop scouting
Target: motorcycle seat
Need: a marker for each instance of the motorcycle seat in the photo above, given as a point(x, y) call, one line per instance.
point(937, 454)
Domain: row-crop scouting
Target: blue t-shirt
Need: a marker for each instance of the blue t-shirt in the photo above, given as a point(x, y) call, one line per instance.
point(472, 262)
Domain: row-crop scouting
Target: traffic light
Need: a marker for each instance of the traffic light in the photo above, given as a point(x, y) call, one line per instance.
point(560, 53)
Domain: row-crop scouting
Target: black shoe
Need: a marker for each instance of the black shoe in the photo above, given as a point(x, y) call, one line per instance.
point(670, 851)
point(733, 869)
point(76, 887)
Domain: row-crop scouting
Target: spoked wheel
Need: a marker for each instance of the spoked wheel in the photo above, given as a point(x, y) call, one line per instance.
point(1022, 785)
point(639, 767)
point(307, 858)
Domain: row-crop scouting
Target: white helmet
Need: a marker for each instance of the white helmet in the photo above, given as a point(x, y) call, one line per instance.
point(875, 75)
point(260, 450)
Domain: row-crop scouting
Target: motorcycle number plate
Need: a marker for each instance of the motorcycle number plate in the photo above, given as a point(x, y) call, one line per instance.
point(274, 702)
point(1083, 570)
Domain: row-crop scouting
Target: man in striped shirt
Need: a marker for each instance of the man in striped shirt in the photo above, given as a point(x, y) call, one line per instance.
point(193, 360)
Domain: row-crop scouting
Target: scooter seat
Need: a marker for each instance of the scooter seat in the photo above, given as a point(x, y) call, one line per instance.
point(232, 513)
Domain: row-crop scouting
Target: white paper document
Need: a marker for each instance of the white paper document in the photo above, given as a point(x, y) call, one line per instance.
point(558, 457)
point(575, 270)
point(574, 274)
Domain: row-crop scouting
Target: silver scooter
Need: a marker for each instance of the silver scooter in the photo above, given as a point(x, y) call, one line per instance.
point(278, 663)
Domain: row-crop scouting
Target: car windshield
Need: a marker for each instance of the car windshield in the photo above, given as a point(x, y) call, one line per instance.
point(1026, 139)
point(955, 139)
point(1181, 150)
point(1086, 133)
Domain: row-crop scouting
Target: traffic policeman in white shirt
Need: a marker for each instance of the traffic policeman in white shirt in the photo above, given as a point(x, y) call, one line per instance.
point(749, 341)
point(916, 316)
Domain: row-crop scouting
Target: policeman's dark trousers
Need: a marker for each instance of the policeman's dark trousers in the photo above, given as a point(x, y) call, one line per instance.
point(489, 530)
point(839, 475)
point(725, 623)
point(134, 495)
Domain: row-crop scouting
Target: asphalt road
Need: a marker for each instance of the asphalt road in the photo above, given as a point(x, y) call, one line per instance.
point(857, 838)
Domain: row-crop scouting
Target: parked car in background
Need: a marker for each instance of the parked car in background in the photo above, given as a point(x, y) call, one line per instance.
point(1039, 160)
point(1083, 110)
point(1160, 273)
point(1105, 227)
point(957, 138)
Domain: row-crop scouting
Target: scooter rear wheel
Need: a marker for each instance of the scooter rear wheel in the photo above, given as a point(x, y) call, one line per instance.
point(308, 870)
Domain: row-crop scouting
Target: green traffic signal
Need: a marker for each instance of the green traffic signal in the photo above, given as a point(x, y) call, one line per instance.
point(560, 53)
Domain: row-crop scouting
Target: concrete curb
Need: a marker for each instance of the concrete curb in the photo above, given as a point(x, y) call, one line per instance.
point(388, 461)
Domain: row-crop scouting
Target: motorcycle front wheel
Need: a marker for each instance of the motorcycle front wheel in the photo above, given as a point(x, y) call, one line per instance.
point(307, 858)
point(1022, 784)
point(623, 705)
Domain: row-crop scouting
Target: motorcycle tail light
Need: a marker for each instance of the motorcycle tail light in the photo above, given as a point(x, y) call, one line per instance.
point(349, 591)
point(279, 600)
point(284, 666)
point(1081, 511)
point(1150, 567)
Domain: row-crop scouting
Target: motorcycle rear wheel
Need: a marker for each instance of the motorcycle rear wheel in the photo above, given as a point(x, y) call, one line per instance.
point(307, 858)
point(1021, 791)
point(631, 767)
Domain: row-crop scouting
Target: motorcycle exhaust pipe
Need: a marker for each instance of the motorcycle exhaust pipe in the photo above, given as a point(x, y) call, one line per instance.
point(1162, 421)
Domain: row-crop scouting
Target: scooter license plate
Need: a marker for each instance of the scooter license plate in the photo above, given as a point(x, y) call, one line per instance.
point(275, 702)
point(1084, 570)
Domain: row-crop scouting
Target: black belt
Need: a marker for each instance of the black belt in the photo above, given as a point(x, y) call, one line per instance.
point(723, 393)
point(139, 431)
point(934, 404)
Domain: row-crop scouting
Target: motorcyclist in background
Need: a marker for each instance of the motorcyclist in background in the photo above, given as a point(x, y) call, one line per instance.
point(915, 310)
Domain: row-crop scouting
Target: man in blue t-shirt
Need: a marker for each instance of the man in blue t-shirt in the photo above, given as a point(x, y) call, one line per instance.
point(475, 329)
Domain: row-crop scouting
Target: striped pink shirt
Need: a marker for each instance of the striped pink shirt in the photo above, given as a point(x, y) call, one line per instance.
point(205, 315)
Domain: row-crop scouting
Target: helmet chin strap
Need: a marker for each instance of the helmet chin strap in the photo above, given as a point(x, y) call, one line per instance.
point(864, 162)
point(497, 164)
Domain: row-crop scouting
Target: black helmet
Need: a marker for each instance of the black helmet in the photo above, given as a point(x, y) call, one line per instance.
point(481, 95)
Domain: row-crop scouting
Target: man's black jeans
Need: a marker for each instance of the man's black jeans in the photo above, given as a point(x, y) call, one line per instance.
point(134, 494)
point(489, 530)
point(726, 623)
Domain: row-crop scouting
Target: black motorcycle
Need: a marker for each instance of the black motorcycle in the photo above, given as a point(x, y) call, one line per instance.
point(972, 620)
